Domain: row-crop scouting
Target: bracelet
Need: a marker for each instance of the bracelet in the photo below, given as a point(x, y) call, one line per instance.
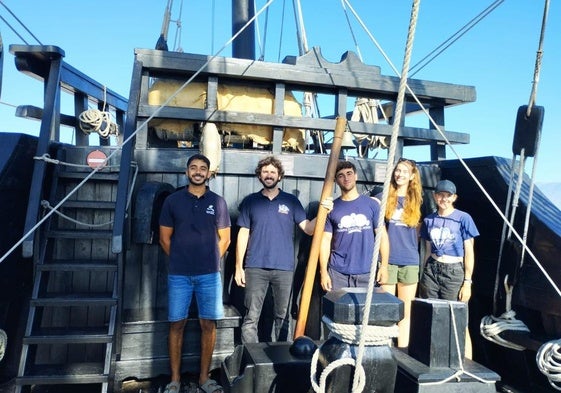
point(468, 280)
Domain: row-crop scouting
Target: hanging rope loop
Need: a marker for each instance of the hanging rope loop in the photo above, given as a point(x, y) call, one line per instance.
point(94, 120)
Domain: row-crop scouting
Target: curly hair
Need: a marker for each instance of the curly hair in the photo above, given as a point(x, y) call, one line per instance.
point(270, 160)
point(413, 200)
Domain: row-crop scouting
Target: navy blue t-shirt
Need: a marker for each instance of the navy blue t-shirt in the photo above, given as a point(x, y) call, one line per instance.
point(447, 234)
point(352, 225)
point(195, 222)
point(271, 229)
point(404, 246)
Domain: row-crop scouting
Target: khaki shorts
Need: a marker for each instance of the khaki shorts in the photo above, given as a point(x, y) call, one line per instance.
point(408, 274)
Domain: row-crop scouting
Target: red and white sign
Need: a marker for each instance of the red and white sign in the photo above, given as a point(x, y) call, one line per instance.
point(96, 159)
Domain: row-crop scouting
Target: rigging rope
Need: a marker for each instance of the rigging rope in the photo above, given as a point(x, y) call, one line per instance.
point(507, 321)
point(139, 127)
point(358, 379)
point(539, 56)
point(457, 155)
point(21, 23)
point(365, 108)
point(453, 38)
point(351, 29)
point(281, 30)
point(491, 326)
point(461, 370)
point(548, 359)
point(258, 34)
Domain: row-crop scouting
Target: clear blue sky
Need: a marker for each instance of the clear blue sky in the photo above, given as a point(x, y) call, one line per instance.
point(497, 56)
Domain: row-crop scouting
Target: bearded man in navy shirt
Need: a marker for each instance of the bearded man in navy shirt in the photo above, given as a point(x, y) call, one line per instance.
point(265, 249)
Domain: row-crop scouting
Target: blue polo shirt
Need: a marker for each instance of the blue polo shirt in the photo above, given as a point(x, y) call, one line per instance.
point(271, 229)
point(195, 222)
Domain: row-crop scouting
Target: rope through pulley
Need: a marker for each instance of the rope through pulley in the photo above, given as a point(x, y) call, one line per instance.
point(525, 144)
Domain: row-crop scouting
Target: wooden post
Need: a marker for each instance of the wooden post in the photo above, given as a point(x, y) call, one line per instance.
point(326, 191)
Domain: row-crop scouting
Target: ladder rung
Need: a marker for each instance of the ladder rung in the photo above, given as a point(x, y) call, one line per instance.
point(80, 233)
point(77, 267)
point(68, 339)
point(99, 176)
point(75, 373)
point(73, 300)
point(101, 205)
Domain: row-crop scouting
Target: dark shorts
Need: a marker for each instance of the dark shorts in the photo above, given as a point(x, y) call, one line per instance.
point(342, 280)
point(441, 280)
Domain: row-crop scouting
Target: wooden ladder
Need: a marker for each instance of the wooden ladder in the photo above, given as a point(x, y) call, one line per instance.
point(73, 311)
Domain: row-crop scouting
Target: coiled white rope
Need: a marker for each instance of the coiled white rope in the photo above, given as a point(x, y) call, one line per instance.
point(94, 120)
point(359, 374)
point(373, 335)
point(350, 334)
point(491, 326)
point(548, 360)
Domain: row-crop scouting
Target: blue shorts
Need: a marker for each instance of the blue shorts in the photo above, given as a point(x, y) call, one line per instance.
point(208, 292)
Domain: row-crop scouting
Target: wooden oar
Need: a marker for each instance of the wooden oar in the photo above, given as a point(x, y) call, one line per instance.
point(326, 191)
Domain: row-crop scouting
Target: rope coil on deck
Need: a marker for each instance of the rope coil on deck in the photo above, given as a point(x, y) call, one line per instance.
point(491, 326)
point(548, 360)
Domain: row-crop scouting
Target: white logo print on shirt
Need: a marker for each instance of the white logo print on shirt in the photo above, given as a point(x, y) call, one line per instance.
point(210, 210)
point(283, 209)
point(440, 236)
point(354, 223)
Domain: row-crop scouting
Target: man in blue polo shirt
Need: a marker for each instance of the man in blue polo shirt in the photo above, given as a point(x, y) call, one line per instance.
point(195, 234)
point(266, 244)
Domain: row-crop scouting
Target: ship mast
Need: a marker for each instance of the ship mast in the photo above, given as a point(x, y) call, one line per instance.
point(243, 47)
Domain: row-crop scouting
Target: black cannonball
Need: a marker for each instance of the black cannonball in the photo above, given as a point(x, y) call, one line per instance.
point(303, 347)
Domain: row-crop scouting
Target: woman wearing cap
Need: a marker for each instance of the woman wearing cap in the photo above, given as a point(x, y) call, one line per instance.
point(403, 216)
point(449, 236)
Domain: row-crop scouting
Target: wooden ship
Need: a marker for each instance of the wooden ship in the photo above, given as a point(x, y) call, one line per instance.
point(92, 304)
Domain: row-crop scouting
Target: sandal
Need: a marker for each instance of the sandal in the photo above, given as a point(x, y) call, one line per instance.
point(211, 386)
point(173, 387)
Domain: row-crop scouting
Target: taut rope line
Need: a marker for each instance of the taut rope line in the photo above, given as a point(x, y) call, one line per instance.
point(460, 159)
point(127, 140)
point(389, 169)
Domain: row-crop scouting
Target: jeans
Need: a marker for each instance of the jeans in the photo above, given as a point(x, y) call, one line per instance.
point(441, 280)
point(257, 283)
point(207, 289)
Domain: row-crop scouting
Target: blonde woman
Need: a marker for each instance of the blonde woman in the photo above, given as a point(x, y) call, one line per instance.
point(403, 216)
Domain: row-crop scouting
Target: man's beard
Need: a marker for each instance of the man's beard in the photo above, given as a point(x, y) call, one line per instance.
point(196, 181)
point(269, 186)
